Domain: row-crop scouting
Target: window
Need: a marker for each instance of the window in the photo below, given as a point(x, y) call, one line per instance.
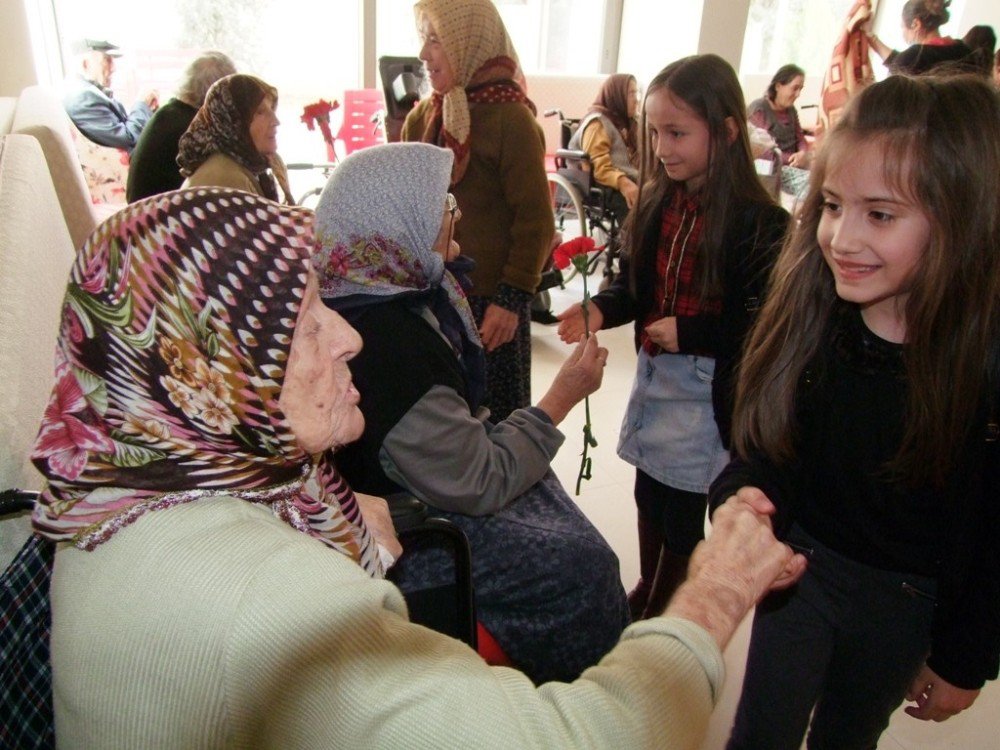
point(791, 31)
point(550, 36)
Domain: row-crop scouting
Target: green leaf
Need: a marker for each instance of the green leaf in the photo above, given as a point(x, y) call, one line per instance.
point(144, 339)
point(189, 318)
point(129, 456)
point(212, 345)
point(117, 315)
point(94, 389)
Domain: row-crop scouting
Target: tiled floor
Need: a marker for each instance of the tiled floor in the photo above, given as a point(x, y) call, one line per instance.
point(607, 501)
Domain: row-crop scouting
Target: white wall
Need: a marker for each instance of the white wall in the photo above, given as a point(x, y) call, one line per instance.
point(18, 69)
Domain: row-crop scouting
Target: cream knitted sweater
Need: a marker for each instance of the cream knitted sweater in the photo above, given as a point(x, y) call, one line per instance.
point(214, 625)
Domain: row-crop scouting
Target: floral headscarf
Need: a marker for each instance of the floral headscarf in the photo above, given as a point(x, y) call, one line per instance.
point(176, 329)
point(376, 223)
point(485, 66)
point(222, 125)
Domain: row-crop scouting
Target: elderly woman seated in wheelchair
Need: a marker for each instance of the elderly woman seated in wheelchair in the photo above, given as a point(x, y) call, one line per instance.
point(214, 586)
point(547, 585)
point(608, 135)
point(594, 184)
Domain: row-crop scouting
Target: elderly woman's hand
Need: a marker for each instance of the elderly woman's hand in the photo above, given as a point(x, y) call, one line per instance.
point(735, 567)
point(379, 522)
point(579, 376)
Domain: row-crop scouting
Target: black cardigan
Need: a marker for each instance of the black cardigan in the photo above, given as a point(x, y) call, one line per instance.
point(751, 247)
point(959, 523)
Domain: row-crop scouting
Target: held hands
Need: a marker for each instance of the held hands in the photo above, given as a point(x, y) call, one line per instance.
point(579, 376)
point(571, 322)
point(498, 328)
point(936, 698)
point(735, 567)
point(375, 511)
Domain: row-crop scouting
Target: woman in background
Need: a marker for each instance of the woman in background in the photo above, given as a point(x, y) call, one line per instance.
point(232, 141)
point(922, 22)
point(153, 167)
point(608, 133)
point(775, 112)
point(480, 111)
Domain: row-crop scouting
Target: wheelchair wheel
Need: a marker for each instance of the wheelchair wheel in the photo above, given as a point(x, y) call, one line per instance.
point(567, 206)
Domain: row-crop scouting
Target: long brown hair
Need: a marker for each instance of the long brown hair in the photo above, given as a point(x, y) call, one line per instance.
point(941, 144)
point(708, 85)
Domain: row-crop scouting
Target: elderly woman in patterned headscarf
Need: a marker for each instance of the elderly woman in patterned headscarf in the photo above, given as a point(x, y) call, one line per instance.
point(232, 141)
point(479, 110)
point(389, 272)
point(197, 372)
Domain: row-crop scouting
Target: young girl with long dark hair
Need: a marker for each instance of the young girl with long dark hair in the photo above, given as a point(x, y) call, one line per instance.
point(866, 412)
point(699, 246)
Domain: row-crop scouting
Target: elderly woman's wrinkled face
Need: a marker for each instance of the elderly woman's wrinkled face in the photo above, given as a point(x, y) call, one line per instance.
point(435, 60)
point(318, 398)
point(444, 244)
point(264, 128)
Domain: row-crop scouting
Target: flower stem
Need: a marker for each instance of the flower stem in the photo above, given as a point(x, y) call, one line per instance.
point(580, 263)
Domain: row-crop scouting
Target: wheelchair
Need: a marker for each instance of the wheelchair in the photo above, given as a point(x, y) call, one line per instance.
point(581, 205)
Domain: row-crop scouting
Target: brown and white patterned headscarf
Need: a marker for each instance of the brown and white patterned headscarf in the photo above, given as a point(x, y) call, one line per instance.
point(222, 125)
point(176, 330)
point(485, 66)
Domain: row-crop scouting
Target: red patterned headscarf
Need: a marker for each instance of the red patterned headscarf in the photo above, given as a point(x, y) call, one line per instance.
point(485, 66)
point(176, 329)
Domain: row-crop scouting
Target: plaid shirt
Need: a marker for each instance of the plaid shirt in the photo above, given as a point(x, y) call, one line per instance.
point(676, 259)
point(26, 719)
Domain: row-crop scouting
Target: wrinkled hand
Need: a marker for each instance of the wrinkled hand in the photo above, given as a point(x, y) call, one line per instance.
point(571, 322)
point(375, 511)
point(579, 376)
point(498, 328)
point(629, 191)
point(664, 333)
point(734, 567)
point(759, 503)
point(936, 698)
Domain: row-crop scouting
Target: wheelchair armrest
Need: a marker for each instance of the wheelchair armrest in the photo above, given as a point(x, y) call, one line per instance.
point(566, 156)
point(406, 510)
point(16, 501)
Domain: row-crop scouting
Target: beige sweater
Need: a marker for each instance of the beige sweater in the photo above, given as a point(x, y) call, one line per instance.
point(214, 625)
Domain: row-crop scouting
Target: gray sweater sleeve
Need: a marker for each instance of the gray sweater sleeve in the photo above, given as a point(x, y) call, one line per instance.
point(452, 461)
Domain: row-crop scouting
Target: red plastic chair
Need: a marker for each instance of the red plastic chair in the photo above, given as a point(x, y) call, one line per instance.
point(360, 129)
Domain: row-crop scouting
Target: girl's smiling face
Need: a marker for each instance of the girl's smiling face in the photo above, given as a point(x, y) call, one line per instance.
point(873, 237)
point(679, 137)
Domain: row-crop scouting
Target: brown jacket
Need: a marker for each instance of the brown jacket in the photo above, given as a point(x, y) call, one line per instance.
point(507, 222)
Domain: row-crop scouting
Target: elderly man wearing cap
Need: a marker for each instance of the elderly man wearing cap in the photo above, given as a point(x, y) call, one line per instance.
point(92, 106)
